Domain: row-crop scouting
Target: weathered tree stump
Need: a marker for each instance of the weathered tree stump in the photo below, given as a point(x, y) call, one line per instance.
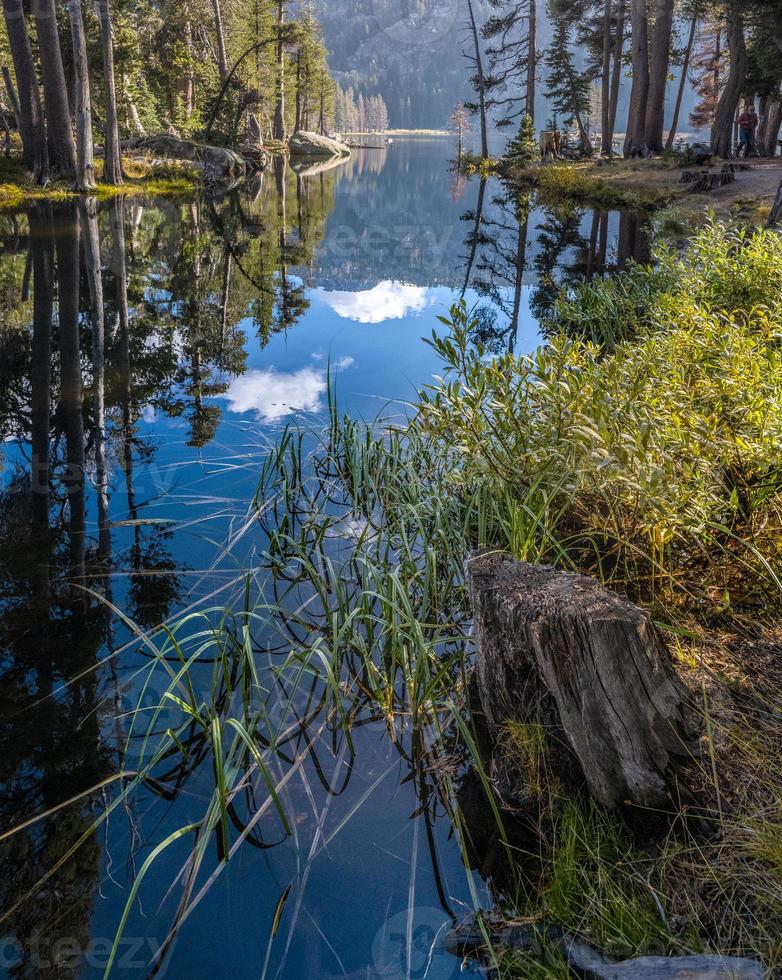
point(710, 181)
point(560, 647)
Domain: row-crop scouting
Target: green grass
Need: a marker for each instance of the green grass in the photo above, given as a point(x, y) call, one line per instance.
point(579, 184)
point(142, 179)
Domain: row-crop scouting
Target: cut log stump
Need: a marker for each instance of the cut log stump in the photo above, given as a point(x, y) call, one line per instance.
point(560, 647)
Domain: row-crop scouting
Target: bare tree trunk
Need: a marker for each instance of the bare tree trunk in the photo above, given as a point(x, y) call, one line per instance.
point(85, 168)
point(222, 57)
point(112, 163)
point(298, 124)
point(30, 120)
point(59, 134)
point(186, 85)
point(478, 60)
point(669, 144)
point(722, 132)
point(616, 80)
point(72, 391)
point(476, 234)
point(134, 120)
point(773, 126)
point(658, 76)
point(13, 98)
point(532, 58)
point(605, 89)
point(760, 133)
point(279, 109)
point(42, 248)
point(639, 94)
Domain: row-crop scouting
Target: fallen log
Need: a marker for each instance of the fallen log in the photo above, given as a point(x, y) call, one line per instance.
point(559, 650)
point(468, 938)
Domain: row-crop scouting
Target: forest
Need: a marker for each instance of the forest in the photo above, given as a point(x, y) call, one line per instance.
point(723, 52)
point(391, 489)
point(132, 70)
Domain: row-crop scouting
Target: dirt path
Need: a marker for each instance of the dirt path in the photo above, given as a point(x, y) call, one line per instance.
point(750, 197)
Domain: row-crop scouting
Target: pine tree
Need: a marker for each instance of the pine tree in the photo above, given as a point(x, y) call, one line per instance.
point(523, 148)
point(567, 88)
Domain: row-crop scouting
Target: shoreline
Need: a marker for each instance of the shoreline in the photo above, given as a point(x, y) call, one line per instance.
point(141, 178)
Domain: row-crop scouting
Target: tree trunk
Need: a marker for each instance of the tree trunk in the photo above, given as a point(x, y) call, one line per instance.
point(10, 91)
point(658, 76)
point(71, 388)
point(476, 234)
point(85, 169)
point(135, 124)
point(112, 163)
point(30, 120)
point(222, 57)
point(186, 84)
point(639, 94)
point(298, 124)
point(682, 83)
point(42, 249)
point(605, 78)
point(481, 80)
point(722, 131)
point(279, 109)
point(774, 125)
point(764, 105)
point(59, 134)
point(532, 58)
point(616, 80)
point(559, 650)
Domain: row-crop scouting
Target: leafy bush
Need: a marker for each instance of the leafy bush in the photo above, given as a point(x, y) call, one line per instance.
point(656, 442)
point(724, 269)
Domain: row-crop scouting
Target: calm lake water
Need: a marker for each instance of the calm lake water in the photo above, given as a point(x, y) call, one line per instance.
point(131, 445)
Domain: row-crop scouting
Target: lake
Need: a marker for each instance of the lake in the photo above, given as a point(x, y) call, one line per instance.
point(153, 354)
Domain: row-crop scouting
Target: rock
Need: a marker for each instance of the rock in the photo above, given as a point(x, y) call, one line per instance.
point(218, 162)
point(561, 651)
point(467, 939)
point(304, 144)
point(699, 153)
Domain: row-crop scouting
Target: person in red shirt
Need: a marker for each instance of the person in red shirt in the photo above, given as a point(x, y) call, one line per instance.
point(748, 124)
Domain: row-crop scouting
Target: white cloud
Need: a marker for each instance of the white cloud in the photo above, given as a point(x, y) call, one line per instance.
point(386, 301)
point(273, 394)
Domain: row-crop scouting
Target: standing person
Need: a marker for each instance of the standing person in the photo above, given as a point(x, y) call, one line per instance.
point(748, 124)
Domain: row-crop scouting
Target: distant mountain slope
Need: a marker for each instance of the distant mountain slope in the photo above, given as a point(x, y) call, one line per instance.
point(410, 52)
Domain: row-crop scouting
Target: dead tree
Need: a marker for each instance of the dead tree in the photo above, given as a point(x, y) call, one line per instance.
point(590, 666)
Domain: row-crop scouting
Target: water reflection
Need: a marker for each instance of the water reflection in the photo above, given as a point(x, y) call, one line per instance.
point(150, 352)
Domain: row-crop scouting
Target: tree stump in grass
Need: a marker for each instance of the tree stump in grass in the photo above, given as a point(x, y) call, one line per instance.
point(560, 647)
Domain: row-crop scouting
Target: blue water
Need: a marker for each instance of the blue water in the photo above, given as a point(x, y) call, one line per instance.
point(238, 310)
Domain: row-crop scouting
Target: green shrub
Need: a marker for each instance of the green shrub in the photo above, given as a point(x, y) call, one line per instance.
point(660, 439)
point(724, 269)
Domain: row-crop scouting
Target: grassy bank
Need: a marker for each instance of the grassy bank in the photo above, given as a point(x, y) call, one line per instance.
point(141, 178)
point(643, 184)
